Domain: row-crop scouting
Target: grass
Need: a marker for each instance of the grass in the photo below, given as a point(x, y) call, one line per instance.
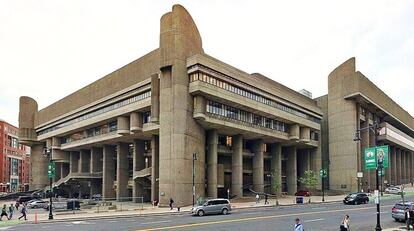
point(6, 223)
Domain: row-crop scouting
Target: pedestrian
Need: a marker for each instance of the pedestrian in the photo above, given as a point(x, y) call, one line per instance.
point(11, 211)
point(298, 225)
point(257, 198)
point(23, 211)
point(4, 212)
point(266, 197)
point(17, 206)
point(409, 217)
point(171, 203)
point(345, 223)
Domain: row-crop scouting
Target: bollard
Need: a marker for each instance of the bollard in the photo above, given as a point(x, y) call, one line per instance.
point(35, 218)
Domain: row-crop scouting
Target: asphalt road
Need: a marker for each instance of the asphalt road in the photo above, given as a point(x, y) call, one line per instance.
point(317, 217)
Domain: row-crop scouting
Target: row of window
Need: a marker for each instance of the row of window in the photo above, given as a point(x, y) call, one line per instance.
point(199, 76)
point(99, 111)
point(244, 116)
point(91, 132)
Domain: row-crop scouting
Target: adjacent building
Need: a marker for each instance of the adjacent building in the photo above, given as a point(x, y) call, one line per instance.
point(354, 103)
point(136, 131)
point(14, 160)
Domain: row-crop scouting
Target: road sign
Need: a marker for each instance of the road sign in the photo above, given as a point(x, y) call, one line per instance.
point(371, 156)
point(323, 173)
point(51, 170)
point(360, 174)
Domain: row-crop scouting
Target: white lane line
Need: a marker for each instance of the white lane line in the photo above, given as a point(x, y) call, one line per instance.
point(307, 221)
point(112, 221)
point(155, 222)
point(251, 213)
point(130, 220)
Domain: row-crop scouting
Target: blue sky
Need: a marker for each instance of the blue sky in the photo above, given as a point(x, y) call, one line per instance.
point(51, 48)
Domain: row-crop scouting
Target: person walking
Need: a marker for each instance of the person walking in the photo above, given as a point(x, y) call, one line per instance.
point(4, 212)
point(17, 206)
point(266, 201)
point(345, 223)
point(409, 217)
point(24, 212)
point(298, 225)
point(171, 203)
point(257, 198)
point(11, 211)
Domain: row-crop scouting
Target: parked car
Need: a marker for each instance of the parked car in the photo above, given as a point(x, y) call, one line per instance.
point(97, 197)
point(398, 211)
point(394, 190)
point(356, 199)
point(34, 204)
point(23, 199)
point(303, 193)
point(57, 206)
point(214, 206)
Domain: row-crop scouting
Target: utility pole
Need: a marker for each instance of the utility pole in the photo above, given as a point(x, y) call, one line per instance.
point(47, 152)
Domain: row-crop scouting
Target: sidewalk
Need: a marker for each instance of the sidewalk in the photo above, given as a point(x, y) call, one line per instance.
point(131, 209)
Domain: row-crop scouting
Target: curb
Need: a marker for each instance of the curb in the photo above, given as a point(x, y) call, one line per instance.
point(165, 213)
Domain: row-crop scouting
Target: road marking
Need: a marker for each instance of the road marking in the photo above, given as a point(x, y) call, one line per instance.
point(256, 218)
point(155, 222)
point(251, 213)
point(112, 221)
point(307, 221)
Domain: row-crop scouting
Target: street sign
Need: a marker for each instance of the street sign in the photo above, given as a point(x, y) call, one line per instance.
point(51, 170)
point(360, 174)
point(371, 156)
point(323, 173)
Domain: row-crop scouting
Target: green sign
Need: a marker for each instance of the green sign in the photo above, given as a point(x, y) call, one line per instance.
point(323, 173)
point(371, 156)
point(51, 170)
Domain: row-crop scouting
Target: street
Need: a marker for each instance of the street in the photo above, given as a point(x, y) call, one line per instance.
point(314, 217)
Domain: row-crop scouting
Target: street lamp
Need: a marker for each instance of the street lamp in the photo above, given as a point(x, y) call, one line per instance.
point(194, 159)
point(374, 129)
point(47, 152)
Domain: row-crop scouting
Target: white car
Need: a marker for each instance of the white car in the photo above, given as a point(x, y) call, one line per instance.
point(36, 204)
point(393, 190)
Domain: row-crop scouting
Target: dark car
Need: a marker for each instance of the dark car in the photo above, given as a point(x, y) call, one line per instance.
point(356, 199)
point(23, 199)
point(303, 193)
point(398, 211)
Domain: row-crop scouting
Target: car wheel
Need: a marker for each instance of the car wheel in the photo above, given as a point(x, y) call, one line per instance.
point(35, 206)
point(225, 211)
point(200, 213)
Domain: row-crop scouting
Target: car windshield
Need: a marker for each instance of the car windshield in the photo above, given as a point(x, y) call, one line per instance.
point(402, 206)
point(352, 195)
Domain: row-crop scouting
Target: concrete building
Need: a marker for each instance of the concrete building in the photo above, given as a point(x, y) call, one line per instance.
point(14, 160)
point(133, 132)
point(353, 102)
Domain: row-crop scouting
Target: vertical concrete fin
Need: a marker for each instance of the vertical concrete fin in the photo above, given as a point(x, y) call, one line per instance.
point(345, 69)
point(27, 112)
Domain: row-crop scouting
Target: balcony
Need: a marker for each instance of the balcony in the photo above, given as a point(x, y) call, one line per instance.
point(391, 134)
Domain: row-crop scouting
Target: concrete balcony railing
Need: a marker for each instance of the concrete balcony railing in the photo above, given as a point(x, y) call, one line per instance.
point(142, 173)
point(90, 140)
point(389, 133)
point(78, 175)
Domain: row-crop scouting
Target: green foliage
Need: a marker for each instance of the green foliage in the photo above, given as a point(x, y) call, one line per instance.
point(309, 179)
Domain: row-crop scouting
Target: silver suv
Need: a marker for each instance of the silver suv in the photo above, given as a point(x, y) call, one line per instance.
point(398, 211)
point(214, 206)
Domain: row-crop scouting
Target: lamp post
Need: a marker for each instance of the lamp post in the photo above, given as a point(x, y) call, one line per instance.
point(374, 129)
point(194, 159)
point(47, 152)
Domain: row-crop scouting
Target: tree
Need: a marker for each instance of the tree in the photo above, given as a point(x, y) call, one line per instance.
point(309, 180)
point(276, 185)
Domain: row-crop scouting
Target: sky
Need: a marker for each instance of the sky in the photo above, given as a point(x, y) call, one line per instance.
point(51, 48)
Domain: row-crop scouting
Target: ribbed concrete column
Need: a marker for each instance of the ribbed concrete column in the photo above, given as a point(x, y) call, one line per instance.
point(393, 165)
point(212, 141)
point(404, 166)
point(138, 163)
point(292, 170)
point(96, 160)
point(366, 180)
point(108, 172)
point(411, 167)
point(372, 175)
point(65, 170)
point(407, 167)
point(258, 166)
point(155, 98)
point(388, 174)
point(85, 161)
point(155, 163)
point(135, 121)
point(294, 132)
point(122, 174)
point(398, 154)
point(276, 164)
point(74, 162)
point(95, 186)
point(237, 166)
point(199, 105)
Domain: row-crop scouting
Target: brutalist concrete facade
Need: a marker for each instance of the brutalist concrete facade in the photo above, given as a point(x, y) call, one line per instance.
point(353, 102)
point(134, 132)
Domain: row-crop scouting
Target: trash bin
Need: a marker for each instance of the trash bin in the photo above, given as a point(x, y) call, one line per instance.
point(299, 200)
